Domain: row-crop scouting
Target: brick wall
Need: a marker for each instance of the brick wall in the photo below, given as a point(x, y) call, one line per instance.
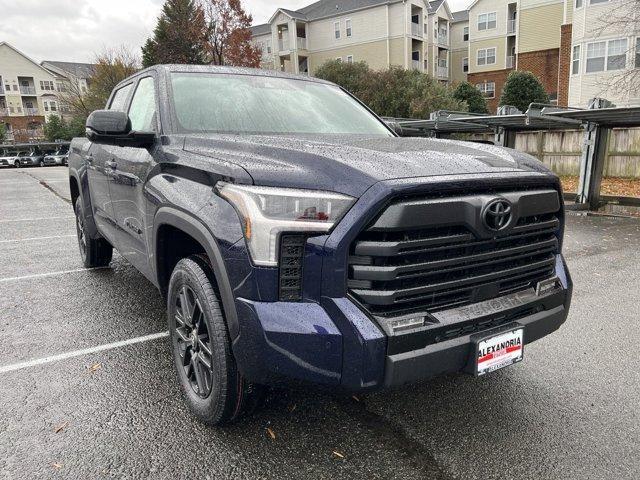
point(564, 64)
point(497, 76)
point(543, 64)
point(26, 128)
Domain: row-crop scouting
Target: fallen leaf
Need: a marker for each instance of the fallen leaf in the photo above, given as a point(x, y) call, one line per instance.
point(57, 466)
point(271, 433)
point(338, 454)
point(293, 407)
point(95, 367)
point(355, 398)
point(61, 427)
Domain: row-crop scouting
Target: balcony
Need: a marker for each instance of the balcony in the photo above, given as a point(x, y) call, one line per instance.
point(27, 90)
point(283, 45)
point(301, 43)
point(443, 39)
point(416, 29)
point(1, 89)
point(415, 64)
point(511, 27)
point(4, 112)
point(511, 61)
point(442, 72)
point(31, 111)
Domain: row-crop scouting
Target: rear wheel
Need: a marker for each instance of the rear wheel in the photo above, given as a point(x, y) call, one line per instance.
point(16, 164)
point(94, 252)
point(42, 163)
point(212, 387)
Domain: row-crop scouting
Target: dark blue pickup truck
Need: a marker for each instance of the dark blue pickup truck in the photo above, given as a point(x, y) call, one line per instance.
point(298, 240)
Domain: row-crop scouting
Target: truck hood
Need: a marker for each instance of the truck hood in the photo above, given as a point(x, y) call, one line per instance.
point(351, 164)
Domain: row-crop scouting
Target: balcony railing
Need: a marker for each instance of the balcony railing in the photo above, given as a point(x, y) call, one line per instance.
point(416, 29)
point(511, 26)
point(301, 43)
point(511, 61)
point(31, 111)
point(4, 112)
point(443, 39)
point(415, 64)
point(283, 45)
point(1, 89)
point(442, 72)
point(27, 90)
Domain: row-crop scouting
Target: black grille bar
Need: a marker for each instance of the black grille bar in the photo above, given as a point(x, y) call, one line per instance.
point(290, 263)
point(427, 266)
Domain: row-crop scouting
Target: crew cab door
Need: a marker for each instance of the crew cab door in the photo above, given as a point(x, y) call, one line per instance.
point(130, 168)
point(98, 160)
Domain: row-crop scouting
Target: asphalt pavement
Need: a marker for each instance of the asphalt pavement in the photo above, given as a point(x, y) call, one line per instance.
point(108, 406)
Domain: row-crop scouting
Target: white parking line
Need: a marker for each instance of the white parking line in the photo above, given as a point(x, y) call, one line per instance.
point(32, 239)
point(50, 274)
point(35, 219)
point(78, 353)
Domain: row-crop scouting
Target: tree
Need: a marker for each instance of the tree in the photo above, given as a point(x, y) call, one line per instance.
point(350, 76)
point(3, 132)
point(228, 34)
point(521, 89)
point(179, 36)
point(465, 92)
point(395, 92)
point(111, 67)
point(56, 129)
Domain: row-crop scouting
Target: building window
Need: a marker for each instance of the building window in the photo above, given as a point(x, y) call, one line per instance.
point(488, 89)
point(611, 55)
point(578, 3)
point(486, 56)
point(594, 2)
point(336, 28)
point(575, 60)
point(46, 85)
point(465, 64)
point(617, 54)
point(349, 58)
point(596, 53)
point(465, 34)
point(46, 106)
point(638, 52)
point(339, 59)
point(487, 21)
point(348, 27)
point(53, 106)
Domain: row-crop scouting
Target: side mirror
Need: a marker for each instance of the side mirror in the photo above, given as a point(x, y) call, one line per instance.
point(111, 127)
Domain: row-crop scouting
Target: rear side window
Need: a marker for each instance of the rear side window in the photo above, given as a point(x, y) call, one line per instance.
point(143, 106)
point(119, 100)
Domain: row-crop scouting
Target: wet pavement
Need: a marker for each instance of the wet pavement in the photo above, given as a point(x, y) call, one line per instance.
point(569, 410)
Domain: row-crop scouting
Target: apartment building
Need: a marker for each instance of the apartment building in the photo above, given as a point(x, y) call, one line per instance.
point(409, 34)
point(600, 53)
point(459, 46)
point(31, 92)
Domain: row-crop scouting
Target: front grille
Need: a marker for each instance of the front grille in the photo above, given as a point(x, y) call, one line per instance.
point(395, 271)
point(290, 267)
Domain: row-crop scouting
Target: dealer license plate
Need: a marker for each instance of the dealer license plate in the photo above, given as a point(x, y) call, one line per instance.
point(499, 351)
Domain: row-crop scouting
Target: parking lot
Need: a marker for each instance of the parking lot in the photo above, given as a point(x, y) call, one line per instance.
point(107, 404)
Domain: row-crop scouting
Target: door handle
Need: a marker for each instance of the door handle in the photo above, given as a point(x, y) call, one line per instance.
point(111, 164)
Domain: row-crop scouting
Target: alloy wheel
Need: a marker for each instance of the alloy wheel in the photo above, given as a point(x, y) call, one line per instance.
point(82, 237)
point(194, 342)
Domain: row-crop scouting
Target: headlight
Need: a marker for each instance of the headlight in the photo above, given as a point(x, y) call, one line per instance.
point(267, 211)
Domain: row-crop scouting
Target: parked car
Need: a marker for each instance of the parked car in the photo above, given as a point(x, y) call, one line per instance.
point(31, 158)
point(297, 240)
point(6, 158)
point(59, 157)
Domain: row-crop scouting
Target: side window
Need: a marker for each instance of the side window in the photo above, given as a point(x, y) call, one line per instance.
point(120, 98)
point(143, 106)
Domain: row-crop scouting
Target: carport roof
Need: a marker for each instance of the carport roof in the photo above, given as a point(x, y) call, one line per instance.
point(615, 117)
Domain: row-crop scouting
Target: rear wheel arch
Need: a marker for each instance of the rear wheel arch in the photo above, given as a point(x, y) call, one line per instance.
point(178, 235)
point(74, 188)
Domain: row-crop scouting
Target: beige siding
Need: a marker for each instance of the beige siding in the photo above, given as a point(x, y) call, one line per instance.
point(374, 53)
point(499, 44)
point(456, 36)
point(540, 28)
point(398, 52)
point(457, 74)
point(367, 25)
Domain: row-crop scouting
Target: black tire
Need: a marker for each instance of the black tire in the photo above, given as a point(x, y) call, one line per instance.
point(16, 164)
point(42, 163)
point(95, 252)
point(214, 390)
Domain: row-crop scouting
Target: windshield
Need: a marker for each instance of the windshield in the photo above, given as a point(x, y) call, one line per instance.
point(222, 103)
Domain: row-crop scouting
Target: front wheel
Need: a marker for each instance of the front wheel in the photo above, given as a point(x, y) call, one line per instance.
point(42, 163)
point(212, 387)
point(94, 252)
point(16, 164)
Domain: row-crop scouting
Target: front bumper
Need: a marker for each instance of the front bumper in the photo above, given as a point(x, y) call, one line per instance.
point(337, 345)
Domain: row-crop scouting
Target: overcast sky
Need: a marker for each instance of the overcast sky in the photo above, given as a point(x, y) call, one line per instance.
point(74, 30)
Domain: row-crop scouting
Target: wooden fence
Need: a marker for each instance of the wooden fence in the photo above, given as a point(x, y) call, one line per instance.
point(561, 151)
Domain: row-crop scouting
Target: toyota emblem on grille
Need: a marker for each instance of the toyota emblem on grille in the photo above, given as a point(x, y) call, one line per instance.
point(497, 214)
